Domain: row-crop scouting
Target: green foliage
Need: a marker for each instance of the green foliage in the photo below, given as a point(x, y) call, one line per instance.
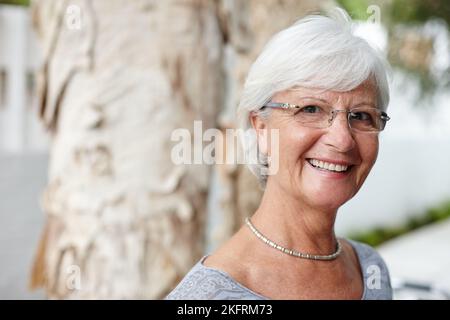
point(16, 2)
point(356, 9)
point(379, 235)
point(419, 11)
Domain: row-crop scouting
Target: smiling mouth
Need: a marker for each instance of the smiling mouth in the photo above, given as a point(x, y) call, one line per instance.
point(330, 167)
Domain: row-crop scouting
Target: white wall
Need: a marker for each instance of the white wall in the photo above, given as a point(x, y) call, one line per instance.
point(20, 130)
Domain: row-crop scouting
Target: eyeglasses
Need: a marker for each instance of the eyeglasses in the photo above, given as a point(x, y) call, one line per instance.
point(363, 118)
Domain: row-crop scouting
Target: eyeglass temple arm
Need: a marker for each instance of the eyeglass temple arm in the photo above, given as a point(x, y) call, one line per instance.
point(281, 105)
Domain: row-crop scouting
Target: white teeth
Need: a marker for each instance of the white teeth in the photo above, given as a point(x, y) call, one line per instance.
point(328, 166)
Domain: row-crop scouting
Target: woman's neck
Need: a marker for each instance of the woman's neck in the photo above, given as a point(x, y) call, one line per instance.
point(293, 224)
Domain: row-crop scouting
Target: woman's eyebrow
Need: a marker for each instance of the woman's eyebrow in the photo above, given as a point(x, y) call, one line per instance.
point(363, 103)
point(313, 98)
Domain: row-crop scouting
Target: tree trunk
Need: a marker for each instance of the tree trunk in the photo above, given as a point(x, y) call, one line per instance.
point(123, 221)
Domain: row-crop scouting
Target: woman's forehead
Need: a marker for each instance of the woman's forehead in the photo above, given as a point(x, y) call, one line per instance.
point(364, 93)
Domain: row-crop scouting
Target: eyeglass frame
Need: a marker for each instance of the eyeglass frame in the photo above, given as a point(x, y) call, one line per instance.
point(283, 105)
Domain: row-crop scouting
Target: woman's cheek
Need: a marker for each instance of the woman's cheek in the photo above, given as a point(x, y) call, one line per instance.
point(372, 152)
point(369, 154)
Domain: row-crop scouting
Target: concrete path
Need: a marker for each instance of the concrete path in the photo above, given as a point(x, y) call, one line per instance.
point(421, 257)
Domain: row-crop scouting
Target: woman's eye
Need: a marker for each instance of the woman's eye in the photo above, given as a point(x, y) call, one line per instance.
point(310, 109)
point(363, 116)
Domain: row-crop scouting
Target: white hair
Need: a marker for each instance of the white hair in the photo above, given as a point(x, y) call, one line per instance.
point(316, 52)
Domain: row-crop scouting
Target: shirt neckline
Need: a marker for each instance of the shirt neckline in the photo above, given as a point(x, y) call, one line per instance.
point(353, 244)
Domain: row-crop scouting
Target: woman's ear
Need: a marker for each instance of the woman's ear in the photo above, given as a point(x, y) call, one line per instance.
point(260, 127)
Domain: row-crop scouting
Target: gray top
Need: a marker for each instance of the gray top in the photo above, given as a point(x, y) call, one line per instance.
point(205, 283)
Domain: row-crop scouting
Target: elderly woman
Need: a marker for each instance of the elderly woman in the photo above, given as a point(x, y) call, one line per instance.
point(325, 91)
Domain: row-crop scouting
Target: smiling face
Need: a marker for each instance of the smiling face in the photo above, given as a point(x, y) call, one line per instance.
point(326, 167)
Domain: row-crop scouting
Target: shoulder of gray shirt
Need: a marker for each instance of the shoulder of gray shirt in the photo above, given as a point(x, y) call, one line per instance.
point(203, 283)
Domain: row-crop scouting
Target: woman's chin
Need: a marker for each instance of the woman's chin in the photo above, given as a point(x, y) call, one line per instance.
point(328, 192)
point(326, 204)
point(326, 197)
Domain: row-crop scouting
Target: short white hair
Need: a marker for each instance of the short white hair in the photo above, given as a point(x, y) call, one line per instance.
point(316, 52)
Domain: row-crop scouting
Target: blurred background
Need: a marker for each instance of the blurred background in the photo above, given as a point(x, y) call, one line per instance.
point(91, 205)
